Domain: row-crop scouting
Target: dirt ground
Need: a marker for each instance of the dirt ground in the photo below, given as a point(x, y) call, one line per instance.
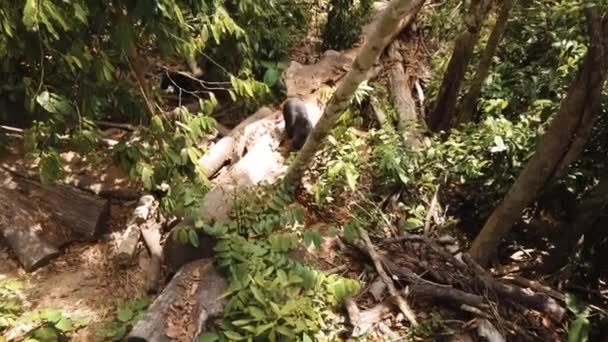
point(83, 281)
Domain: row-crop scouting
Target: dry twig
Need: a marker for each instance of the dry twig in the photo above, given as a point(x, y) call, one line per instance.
point(399, 300)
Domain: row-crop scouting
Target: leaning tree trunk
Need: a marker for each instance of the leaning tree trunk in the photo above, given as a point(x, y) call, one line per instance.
point(391, 22)
point(469, 102)
point(441, 116)
point(581, 104)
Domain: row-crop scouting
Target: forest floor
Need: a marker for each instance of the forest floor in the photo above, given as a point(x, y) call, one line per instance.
point(85, 282)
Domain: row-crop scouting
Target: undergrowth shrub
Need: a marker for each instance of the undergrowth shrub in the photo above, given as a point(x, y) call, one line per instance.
point(489, 155)
point(44, 324)
point(344, 22)
point(271, 296)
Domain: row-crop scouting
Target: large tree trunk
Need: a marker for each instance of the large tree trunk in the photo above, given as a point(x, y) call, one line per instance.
point(401, 92)
point(441, 116)
point(581, 104)
point(401, 95)
point(469, 102)
point(37, 220)
point(391, 22)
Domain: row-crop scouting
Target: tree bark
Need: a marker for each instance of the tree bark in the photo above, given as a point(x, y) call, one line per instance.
point(469, 102)
point(441, 116)
point(231, 147)
point(185, 306)
point(37, 220)
point(581, 104)
point(401, 93)
point(127, 244)
point(389, 23)
point(261, 163)
point(151, 236)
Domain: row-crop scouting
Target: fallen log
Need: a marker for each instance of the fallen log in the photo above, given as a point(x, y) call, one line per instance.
point(231, 147)
point(534, 300)
point(262, 163)
point(127, 244)
point(185, 306)
point(151, 235)
point(37, 220)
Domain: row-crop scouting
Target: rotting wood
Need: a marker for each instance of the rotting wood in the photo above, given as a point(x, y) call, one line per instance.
point(37, 220)
point(197, 283)
point(487, 330)
point(377, 111)
point(354, 315)
point(127, 245)
point(430, 212)
point(370, 317)
point(537, 301)
point(401, 93)
point(534, 300)
point(399, 300)
point(262, 162)
point(151, 235)
point(231, 147)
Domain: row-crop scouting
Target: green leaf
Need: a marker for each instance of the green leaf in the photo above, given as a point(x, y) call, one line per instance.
point(209, 337)
point(283, 330)
point(51, 315)
point(124, 314)
point(56, 13)
point(182, 236)
point(45, 334)
point(81, 322)
point(351, 232)
point(271, 76)
point(313, 236)
point(64, 325)
point(413, 223)
point(54, 103)
point(258, 295)
point(193, 155)
point(80, 13)
point(147, 177)
point(351, 179)
point(233, 335)
point(256, 312)
point(578, 330)
point(193, 237)
point(31, 14)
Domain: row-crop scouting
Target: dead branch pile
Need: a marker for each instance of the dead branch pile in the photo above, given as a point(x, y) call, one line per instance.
point(436, 272)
